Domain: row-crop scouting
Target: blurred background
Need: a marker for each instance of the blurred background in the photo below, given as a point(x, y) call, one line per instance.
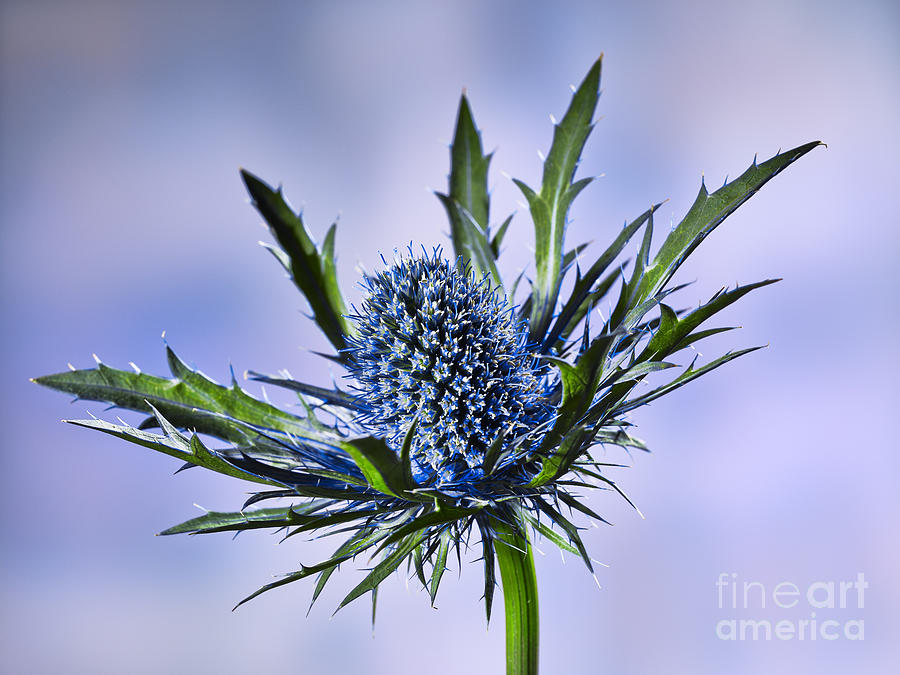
point(122, 214)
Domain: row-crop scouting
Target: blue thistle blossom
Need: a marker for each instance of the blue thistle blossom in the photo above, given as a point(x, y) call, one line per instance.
point(439, 349)
point(465, 413)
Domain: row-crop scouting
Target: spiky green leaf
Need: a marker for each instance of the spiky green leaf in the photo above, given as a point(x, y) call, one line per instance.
point(467, 201)
point(590, 301)
point(472, 241)
point(440, 564)
point(549, 208)
point(705, 215)
point(469, 170)
point(189, 401)
point(436, 518)
point(488, 558)
point(566, 526)
point(302, 573)
point(383, 569)
point(334, 396)
point(383, 469)
point(690, 374)
point(497, 239)
point(176, 446)
point(313, 271)
point(672, 331)
point(215, 521)
point(583, 286)
point(360, 541)
point(624, 315)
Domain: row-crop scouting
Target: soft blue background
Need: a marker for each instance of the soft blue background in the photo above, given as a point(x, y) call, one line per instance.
point(122, 129)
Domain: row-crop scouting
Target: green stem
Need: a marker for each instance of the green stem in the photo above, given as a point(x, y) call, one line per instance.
point(520, 599)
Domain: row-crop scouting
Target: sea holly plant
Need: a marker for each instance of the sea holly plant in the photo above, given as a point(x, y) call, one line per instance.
point(470, 414)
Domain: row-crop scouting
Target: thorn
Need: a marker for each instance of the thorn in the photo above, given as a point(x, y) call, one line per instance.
point(96, 358)
point(71, 367)
point(541, 156)
point(136, 369)
point(201, 508)
point(552, 119)
point(163, 335)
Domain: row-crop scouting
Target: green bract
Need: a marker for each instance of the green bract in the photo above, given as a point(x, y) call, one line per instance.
point(443, 432)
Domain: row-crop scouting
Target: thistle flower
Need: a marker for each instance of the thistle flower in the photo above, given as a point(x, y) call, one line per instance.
point(440, 350)
point(465, 413)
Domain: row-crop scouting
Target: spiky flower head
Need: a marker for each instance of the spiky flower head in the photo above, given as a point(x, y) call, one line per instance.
point(469, 410)
point(440, 351)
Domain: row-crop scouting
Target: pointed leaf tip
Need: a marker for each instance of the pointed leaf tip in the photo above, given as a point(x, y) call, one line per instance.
point(311, 269)
point(467, 201)
point(707, 212)
point(550, 207)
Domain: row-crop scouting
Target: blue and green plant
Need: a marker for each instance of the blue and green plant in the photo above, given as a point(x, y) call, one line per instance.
point(465, 412)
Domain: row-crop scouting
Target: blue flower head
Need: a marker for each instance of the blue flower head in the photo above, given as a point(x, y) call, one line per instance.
point(441, 350)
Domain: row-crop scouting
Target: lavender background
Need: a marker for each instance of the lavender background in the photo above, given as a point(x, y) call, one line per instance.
point(122, 129)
